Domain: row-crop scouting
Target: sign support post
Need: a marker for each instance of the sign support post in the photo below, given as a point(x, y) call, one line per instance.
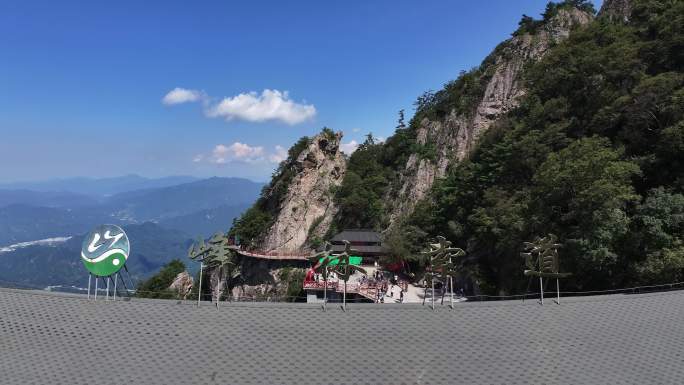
point(218, 287)
point(451, 284)
point(433, 293)
point(199, 288)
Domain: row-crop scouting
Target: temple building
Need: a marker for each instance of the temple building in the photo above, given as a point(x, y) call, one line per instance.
point(368, 243)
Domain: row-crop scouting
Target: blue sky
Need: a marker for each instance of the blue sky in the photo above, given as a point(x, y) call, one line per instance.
point(83, 84)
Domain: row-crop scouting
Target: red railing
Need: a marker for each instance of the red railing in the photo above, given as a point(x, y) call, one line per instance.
point(271, 254)
point(337, 286)
point(320, 285)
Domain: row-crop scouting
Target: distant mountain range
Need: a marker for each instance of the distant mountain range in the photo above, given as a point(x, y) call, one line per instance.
point(205, 222)
point(162, 217)
point(23, 223)
point(57, 262)
point(196, 208)
point(98, 186)
point(168, 202)
point(45, 198)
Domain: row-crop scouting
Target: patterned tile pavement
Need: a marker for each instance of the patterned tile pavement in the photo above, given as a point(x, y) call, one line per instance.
point(65, 339)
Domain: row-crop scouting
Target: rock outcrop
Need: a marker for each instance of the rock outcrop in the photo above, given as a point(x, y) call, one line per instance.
point(455, 136)
point(182, 284)
point(308, 208)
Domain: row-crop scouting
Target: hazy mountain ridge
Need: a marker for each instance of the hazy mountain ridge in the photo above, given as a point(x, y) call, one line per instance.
point(59, 263)
point(45, 198)
point(221, 199)
point(98, 186)
point(159, 221)
point(183, 199)
point(22, 223)
point(205, 222)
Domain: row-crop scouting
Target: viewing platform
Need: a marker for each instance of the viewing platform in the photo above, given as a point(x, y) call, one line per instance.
point(50, 338)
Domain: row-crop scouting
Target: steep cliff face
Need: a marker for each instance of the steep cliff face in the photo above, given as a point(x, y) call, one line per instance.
point(182, 284)
point(454, 136)
point(307, 208)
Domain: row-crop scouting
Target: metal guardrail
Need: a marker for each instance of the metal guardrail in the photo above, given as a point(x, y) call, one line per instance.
point(277, 298)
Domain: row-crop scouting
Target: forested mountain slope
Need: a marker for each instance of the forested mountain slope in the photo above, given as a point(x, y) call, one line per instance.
point(391, 178)
point(573, 126)
point(594, 154)
point(449, 123)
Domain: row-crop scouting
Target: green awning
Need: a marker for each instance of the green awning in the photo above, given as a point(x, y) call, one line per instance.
point(353, 260)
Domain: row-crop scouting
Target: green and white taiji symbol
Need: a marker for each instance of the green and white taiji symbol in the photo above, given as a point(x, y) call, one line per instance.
point(105, 250)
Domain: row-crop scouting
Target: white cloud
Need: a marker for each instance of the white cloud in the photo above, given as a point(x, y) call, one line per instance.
point(245, 151)
point(356, 129)
point(279, 155)
point(241, 152)
point(222, 154)
point(270, 105)
point(181, 95)
point(350, 147)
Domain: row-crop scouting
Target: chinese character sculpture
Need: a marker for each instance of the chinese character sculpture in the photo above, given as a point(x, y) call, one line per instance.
point(442, 264)
point(344, 269)
point(215, 254)
point(541, 260)
point(320, 263)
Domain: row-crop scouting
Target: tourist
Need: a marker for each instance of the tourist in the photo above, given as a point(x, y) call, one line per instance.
point(401, 296)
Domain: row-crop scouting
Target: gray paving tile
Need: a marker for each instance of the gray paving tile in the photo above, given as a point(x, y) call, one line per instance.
point(619, 339)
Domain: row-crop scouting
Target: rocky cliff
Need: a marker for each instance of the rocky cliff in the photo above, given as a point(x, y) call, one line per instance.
point(294, 220)
point(182, 284)
point(307, 209)
point(454, 136)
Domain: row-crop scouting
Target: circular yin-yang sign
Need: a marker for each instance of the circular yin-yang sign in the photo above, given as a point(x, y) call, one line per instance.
point(105, 250)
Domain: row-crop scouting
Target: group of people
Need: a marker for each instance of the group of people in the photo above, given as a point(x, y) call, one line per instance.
point(400, 294)
point(386, 287)
point(331, 277)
